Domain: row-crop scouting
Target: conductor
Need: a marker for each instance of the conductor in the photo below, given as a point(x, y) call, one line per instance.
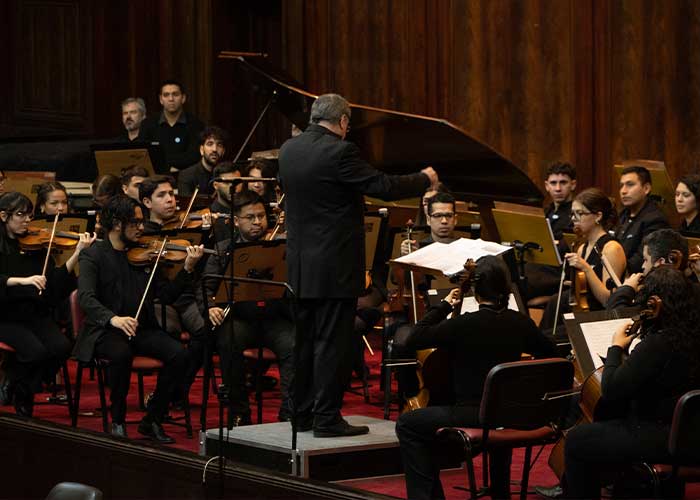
point(325, 179)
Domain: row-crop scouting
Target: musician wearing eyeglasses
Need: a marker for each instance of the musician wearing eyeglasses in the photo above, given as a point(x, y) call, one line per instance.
point(441, 214)
point(120, 317)
point(264, 323)
point(30, 288)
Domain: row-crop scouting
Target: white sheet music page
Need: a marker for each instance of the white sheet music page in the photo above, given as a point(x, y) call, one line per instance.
point(469, 304)
point(449, 258)
point(599, 334)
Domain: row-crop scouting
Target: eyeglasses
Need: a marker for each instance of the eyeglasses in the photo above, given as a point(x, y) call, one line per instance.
point(254, 217)
point(443, 215)
point(24, 215)
point(578, 214)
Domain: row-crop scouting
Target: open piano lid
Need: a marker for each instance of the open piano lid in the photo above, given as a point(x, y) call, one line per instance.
point(400, 143)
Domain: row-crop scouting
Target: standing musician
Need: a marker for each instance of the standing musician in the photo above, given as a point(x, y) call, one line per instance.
point(27, 297)
point(661, 368)
point(51, 199)
point(640, 215)
point(687, 195)
point(593, 214)
point(266, 323)
point(325, 179)
point(476, 342)
point(110, 291)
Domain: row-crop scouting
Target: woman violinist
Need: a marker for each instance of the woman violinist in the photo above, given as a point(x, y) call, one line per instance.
point(593, 214)
point(26, 300)
point(661, 368)
point(51, 198)
point(476, 342)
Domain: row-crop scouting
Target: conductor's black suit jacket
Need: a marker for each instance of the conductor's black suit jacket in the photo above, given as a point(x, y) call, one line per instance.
point(325, 179)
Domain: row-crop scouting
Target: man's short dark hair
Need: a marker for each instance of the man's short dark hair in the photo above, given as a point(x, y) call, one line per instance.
point(561, 168)
point(661, 242)
point(150, 184)
point(129, 173)
point(245, 198)
point(441, 198)
point(119, 208)
point(225, 167)
point(171, 81)
point(642, 173)
point(213, 132)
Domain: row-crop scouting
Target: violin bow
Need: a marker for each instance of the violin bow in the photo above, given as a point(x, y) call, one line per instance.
point(608, 267)
point(48, 249)
point(189, 208)
point(277, 224)
point(150, 278)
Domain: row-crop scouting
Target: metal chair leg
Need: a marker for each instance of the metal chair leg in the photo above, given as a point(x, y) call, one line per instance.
point(76, 401)
point(103, 399)
point(66, 385)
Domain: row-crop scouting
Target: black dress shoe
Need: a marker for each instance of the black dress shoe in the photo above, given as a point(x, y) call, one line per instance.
point(119, 430)
point(342, 428)
point(555, 491)
point(152, 429)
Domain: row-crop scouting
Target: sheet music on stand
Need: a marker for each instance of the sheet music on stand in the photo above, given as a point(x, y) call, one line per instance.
point(598, 336)
point(449, 258)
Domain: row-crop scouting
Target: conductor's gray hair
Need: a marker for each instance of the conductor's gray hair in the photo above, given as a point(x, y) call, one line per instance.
point(330, 108)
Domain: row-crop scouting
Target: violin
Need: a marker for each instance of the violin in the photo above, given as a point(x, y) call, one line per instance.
point(38, 238)
point(195, 220)
point(147, 250)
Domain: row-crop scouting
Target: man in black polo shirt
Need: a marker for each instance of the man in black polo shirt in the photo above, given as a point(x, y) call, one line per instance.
point(174, 129)
point(639, 217)
point(212, 147)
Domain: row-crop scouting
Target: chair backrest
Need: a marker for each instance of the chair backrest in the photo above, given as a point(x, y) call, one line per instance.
point(77, 315)
point(74, 491)
point(515, 393)
point(684, 438)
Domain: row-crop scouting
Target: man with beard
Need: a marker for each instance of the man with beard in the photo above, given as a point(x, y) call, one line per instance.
point(212, 148)
point(222, 203)
point(176, 130)
point(133, 113)
point(110, 289)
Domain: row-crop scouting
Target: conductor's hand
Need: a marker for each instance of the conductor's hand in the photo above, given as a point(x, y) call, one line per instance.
point(633, 281)
point(126, 324)
point(408, 246)
point(194, 253)
point(454, 297)
point(216, 315)
point(432, 175)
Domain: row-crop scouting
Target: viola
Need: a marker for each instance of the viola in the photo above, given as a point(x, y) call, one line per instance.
point(578, 293)
point(147, 250)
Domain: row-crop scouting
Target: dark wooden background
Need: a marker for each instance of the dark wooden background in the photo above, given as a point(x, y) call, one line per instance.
point(588, 81)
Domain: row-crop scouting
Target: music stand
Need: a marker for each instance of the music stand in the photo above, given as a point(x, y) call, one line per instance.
point(115, 158)
point(663, 190)
point(27, 182)
point(75, 223)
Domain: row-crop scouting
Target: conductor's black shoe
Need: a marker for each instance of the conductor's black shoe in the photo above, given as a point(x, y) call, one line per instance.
point(555, 491)
point(119, 430)
point(152, 429)
point(342, 428)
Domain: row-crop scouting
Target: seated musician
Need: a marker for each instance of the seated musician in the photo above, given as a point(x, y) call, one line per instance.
point(222, 202)
point(644, 387)
point(266, 323)
point(27, 298)
point(422, 216)
point(110, 291)
point(687, 193)
point(442, 219)
point(476, 342)
point(560, 184)
point(158, 196)
point(51, 198)
point(640, 215)
point(663, 247)
point(593, 214)
point(212, 147)
point(131, 180)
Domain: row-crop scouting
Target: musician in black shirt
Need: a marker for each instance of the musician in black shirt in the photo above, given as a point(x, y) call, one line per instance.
point(476, 342)
point(687, 193)
point(110, 290)
point(212, 147)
